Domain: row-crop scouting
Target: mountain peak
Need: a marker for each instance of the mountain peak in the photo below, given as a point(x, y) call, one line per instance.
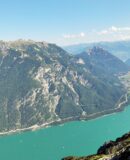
point(100, 58)
point(97, 51)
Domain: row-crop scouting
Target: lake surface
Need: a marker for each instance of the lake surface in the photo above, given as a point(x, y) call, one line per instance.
point(73, 138)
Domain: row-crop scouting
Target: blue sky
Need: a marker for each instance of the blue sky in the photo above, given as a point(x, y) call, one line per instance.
point(65, 21)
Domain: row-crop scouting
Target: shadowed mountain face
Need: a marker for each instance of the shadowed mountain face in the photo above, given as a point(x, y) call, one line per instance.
point(128, 62)
point(113, 150)
point(41, 83)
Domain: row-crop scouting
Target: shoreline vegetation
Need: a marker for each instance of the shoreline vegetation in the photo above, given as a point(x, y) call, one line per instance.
point(120, 107)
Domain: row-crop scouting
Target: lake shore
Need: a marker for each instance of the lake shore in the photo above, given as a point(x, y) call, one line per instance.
point(120, 107)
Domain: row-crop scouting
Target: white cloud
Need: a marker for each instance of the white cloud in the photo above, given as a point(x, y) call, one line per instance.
point(112, 33)
point(82, 34)
point(74, 36)
point(114, 29)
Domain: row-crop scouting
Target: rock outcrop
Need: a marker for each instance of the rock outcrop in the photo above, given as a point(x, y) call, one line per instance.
point(113, 150)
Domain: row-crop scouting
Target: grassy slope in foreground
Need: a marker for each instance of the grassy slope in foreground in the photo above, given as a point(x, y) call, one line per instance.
point(113, 150)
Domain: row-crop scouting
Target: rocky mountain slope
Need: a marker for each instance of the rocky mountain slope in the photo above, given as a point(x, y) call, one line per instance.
point(113, 150)
point(41, 83)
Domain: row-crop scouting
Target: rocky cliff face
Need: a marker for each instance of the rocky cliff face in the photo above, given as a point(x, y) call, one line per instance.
point(113, 150)
point(41, 83)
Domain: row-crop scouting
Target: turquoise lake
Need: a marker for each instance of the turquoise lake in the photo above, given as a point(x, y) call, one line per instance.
point(73, 138)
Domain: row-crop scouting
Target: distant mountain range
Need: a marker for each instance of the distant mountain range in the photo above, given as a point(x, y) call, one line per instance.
point(41, 83)
point(120, 49)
